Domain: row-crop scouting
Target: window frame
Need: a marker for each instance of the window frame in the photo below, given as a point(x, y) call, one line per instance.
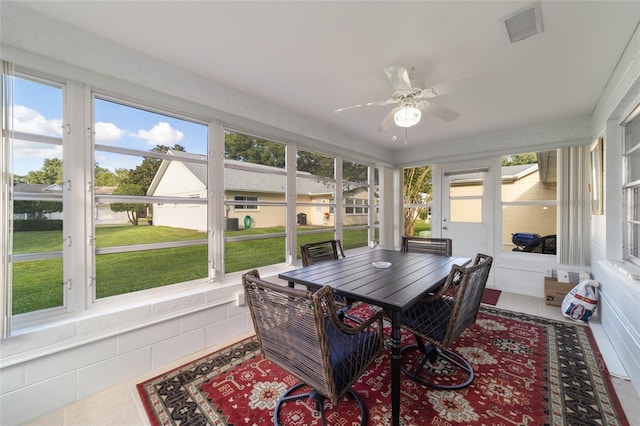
point(78, 136)
point(188, 200)
point(631, 193)
point(534, 203)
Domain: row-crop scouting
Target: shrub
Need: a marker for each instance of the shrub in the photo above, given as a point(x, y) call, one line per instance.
point(37, 225)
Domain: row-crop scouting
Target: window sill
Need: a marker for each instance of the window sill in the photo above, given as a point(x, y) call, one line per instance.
point(34, 338)
point(628, 269)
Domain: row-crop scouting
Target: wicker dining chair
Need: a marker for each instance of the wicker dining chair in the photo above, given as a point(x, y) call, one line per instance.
point(438, 320)
point(323, 251)
point(443, 246)
point(300, 331)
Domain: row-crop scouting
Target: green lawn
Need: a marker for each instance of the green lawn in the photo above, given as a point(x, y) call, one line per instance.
point(421, 225)
point(38, 284)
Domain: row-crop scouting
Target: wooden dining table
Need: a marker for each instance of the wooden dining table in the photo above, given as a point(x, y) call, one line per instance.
point(395, 287)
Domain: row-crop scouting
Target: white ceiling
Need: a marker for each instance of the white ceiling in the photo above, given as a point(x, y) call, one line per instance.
point(314, 57)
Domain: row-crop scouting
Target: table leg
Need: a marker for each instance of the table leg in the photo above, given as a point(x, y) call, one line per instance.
point(396, 333)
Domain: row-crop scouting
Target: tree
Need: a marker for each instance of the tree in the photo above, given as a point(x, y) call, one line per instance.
point(134, 210)
point(355, 172)
point(50, 172)
point(253, 150)
point(137, 182)
point(417, 190)
point(104, 177)
point(517, 159)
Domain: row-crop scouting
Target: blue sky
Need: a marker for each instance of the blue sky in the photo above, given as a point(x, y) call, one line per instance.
point(38, 109)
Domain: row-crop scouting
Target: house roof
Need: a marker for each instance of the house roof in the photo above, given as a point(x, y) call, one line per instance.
point(243, 176)
point(509, 174)
point(37, 187)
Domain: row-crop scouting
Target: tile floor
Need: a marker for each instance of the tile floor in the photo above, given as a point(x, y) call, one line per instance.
point(120, 405)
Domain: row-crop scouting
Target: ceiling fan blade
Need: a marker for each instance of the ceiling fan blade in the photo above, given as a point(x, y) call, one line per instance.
point(375, 103)
point(441, 112)
point(399, 78)
point(388, 120)
point(463, 83)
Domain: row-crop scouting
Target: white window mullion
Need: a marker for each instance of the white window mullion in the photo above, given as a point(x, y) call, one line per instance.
point(76, 198)
point(216, 195)
point(291, 199)
point(6, 210)
point(338, 196)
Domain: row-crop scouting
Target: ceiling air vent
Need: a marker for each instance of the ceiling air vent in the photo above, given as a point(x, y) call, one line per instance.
point(523, 23)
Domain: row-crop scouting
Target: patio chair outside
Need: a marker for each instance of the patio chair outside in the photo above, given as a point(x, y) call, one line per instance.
point(439, 319)
point(543, 245)
point(300, 332)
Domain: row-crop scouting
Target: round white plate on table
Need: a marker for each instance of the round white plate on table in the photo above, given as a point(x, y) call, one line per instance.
point(381, 265)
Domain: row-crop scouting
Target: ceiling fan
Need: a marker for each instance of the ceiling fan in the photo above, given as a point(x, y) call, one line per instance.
point(413, 98)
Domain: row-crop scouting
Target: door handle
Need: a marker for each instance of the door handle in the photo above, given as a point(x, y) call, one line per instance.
point(445, 228)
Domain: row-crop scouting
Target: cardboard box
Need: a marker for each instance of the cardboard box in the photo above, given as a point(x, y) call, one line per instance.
point(554, 291)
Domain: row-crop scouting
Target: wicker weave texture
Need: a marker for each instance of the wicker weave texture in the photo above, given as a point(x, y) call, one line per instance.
point(443, 246)
point(324, 250)
point(441, 318)
point(301, 332)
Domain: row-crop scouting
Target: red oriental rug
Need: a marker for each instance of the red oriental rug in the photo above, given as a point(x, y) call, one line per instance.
point(529, 371)
point(490, 296)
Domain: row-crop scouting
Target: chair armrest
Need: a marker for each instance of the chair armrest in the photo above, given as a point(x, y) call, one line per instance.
point(449, 288)
point(327, 294)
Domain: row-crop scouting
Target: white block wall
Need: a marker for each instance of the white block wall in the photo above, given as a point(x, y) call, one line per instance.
point(49, 368)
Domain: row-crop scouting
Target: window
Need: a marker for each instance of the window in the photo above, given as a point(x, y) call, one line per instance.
point(255, 224)
point(418, 197)
point(354, 206)
point(245, 206)
point(150, 198)
point(315, 197)
point(37, 266)
point(129, 206)
point(529, 199)
point(357, 198)
point(631, 187)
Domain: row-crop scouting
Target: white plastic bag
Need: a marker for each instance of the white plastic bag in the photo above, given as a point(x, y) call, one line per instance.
point(581, 302)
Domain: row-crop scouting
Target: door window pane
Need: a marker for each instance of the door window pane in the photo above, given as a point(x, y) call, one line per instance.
point(465, 197)
point(418, 196)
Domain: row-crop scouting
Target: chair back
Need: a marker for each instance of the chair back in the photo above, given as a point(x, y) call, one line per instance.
point(472, 281)
point(300, 331)
point(321, 251)
point(443, 246)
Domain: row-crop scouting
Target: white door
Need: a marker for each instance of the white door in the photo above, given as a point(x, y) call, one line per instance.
point(467, 208)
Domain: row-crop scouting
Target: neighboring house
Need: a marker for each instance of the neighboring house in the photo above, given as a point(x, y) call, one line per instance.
point(37, 188)
point(245, 182)
point(524, 190)
point(103, 213)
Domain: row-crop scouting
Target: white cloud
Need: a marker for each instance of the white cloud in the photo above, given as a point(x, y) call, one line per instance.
point(31, 121)
point(161, 134)
point(108, 132)
point(29, 156)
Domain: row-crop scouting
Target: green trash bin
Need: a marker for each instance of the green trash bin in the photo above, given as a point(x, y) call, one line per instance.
point(248, 221)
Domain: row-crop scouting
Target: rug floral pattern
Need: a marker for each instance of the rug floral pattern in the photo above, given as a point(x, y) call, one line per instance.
point(529, 371)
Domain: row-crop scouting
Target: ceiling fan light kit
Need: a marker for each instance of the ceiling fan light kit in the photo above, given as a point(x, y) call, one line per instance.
point(413, 98)
point(407, 116)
